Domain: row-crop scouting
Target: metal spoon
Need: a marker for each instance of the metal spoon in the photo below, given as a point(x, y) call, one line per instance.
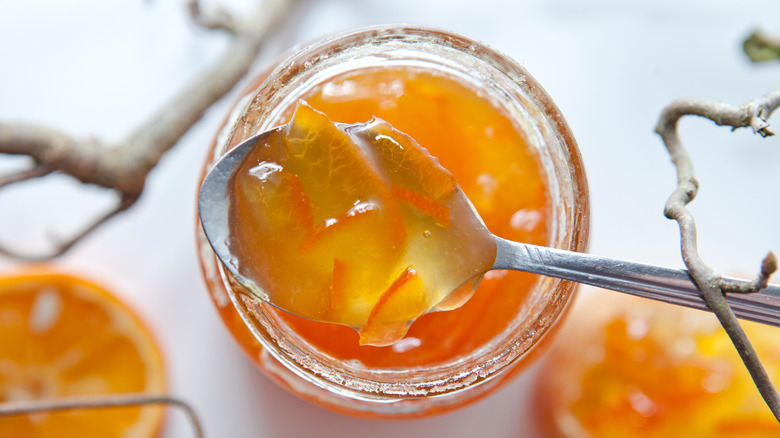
point(668, 285)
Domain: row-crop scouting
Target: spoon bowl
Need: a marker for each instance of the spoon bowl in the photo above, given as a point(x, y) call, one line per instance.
point(213, 209)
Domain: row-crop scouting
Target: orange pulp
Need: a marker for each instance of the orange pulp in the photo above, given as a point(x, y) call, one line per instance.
point(61, 336)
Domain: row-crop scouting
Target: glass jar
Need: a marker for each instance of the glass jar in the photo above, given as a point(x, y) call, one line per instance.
point(628, 367)
point(350, 386)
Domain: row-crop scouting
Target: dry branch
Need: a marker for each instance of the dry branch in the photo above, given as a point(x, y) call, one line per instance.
point(123, 167)
point(711, 284)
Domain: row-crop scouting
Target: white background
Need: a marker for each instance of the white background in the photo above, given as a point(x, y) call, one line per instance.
point(99, 67)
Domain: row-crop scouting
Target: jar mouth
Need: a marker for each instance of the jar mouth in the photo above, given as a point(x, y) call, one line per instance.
point(546, 133)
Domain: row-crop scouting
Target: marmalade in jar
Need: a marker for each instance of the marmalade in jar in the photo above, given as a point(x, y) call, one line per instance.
point(479, 145)
point(628, 367)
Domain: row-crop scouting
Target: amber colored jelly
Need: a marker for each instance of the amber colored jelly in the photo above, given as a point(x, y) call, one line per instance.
point(475, 140)
point(354, 224)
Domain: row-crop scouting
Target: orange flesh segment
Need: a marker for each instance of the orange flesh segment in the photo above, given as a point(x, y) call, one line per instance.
point(352, 178)
point(477, 142)
point(64, 337)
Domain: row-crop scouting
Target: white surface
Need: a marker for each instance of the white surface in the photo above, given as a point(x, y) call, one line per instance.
point(101, 67)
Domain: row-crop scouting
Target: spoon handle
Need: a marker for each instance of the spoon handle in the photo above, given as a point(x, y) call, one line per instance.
point(668, 285)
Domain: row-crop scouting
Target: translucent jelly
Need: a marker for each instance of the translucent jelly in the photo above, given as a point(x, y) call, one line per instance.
point(356, 225)
point(477, 142)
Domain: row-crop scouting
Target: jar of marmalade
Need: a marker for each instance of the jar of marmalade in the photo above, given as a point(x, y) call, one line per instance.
point(497, 131)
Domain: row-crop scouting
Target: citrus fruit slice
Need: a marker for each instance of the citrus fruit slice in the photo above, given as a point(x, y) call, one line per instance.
point(61, 337)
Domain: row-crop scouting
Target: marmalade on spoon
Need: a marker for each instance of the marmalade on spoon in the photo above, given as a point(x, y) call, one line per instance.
point(356, 225)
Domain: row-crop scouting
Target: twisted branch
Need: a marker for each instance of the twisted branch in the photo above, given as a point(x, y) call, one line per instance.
point(123, 167)
point(711, 284)
point(102, 401)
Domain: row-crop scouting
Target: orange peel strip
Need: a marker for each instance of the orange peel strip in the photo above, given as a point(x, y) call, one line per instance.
point(423, 203)
point(299, 200)
point(397, 285)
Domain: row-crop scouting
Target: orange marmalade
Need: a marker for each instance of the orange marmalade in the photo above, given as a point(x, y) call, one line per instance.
point(354, 224)
point(476, 142)
point(495, 130)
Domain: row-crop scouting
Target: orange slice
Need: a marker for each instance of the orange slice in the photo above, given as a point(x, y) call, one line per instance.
point(62, 336)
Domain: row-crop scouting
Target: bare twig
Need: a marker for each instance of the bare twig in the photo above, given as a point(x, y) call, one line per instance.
point(218, 18)
point(123, 167)
point(31, 173)
point(753, 114)
point(61, 247)
point(761, 46)
point(102, 401)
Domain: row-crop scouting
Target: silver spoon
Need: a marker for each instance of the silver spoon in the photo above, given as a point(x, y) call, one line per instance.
point(668, 285)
